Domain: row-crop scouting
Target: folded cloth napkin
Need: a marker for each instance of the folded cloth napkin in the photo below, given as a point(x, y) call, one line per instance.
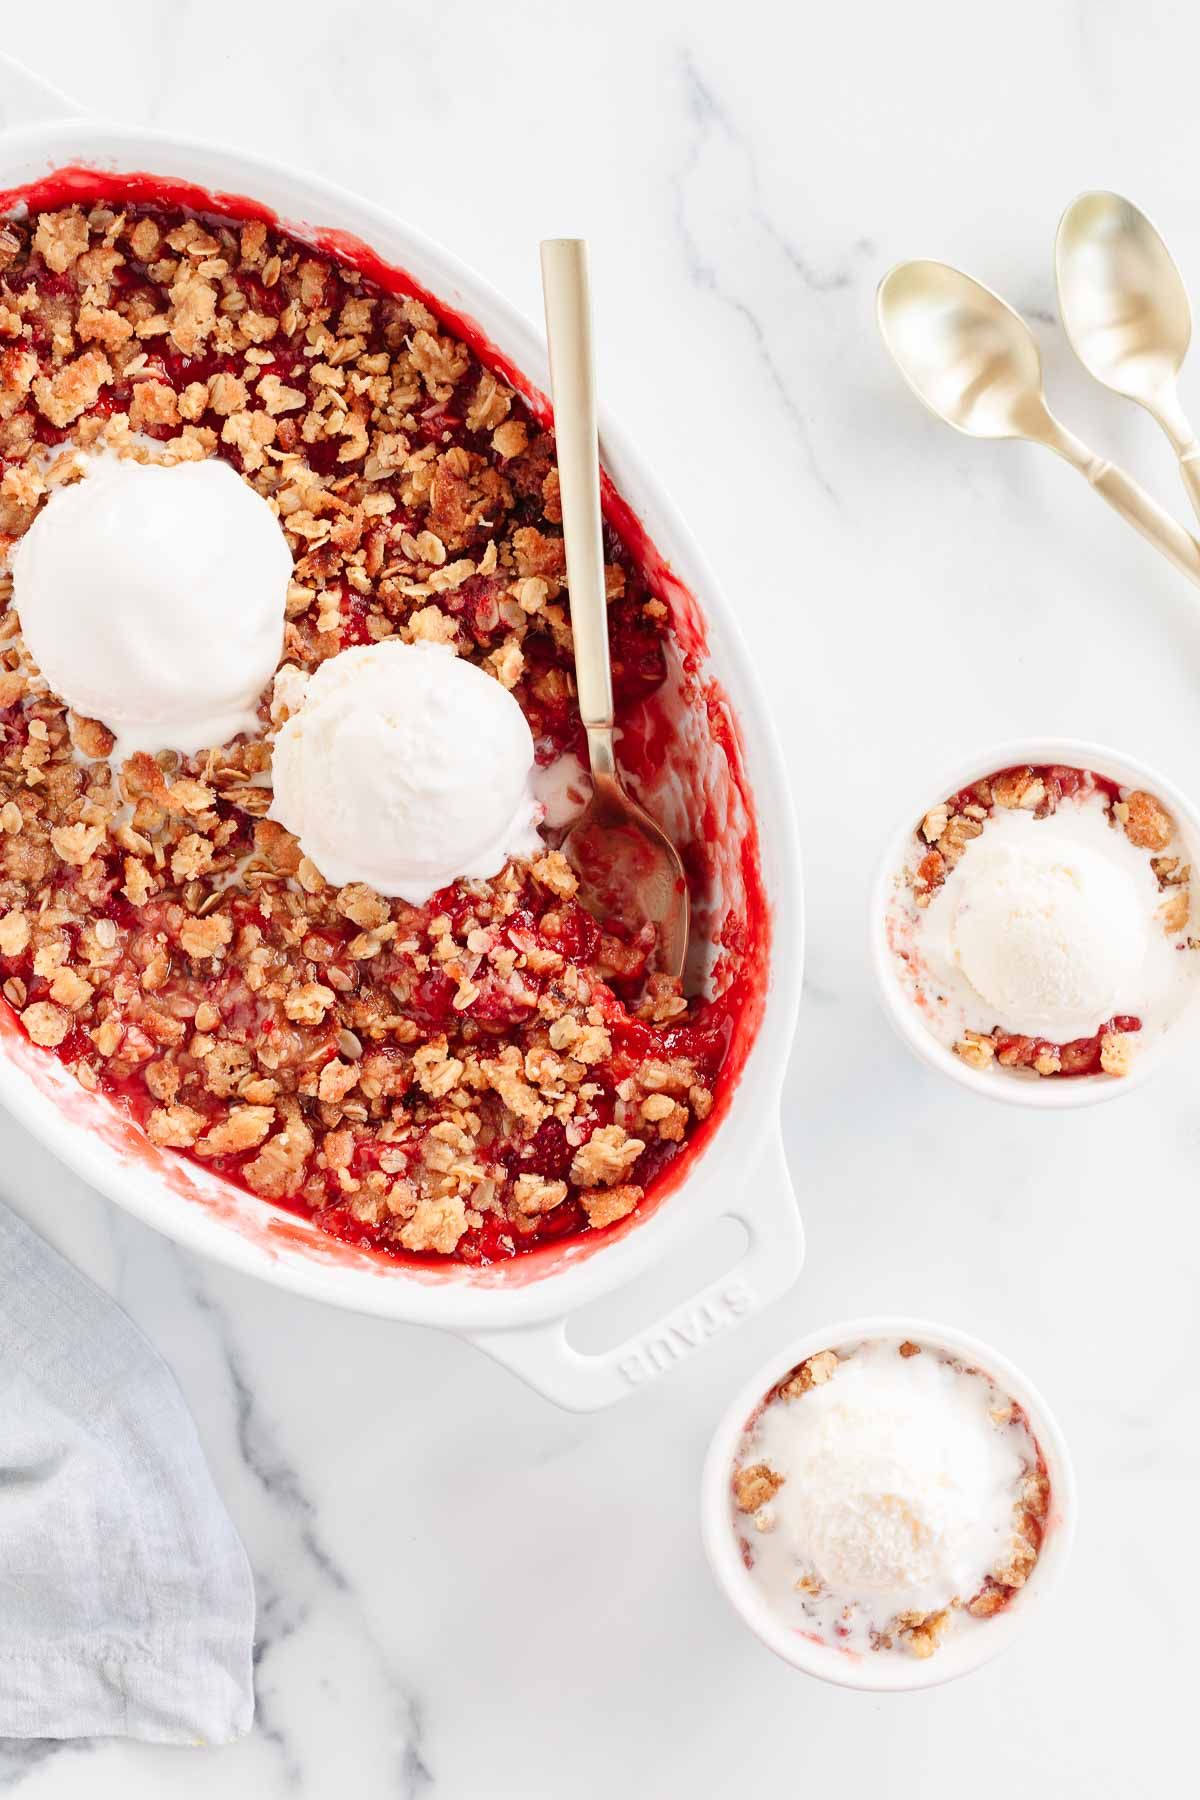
point(126, 1604)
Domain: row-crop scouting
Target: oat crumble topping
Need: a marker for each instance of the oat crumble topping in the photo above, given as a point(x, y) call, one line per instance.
point(464, 1079)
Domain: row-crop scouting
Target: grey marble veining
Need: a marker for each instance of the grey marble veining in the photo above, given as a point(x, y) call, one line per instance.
point(706, 241)
point(464, 1592)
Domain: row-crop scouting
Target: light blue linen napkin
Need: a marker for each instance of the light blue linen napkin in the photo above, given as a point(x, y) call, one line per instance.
point(126, 1603)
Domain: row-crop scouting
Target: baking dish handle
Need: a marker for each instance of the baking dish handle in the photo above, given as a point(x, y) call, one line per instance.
point(581, 1382)
point(25, 99)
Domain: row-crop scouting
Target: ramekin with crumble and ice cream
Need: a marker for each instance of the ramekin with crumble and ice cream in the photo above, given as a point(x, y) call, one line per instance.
point(452, 1060)
point(1037, 928)
point(882, 1508)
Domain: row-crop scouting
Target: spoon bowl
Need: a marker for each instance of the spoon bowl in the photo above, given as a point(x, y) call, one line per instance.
point(1127, 313)
point(629, 869)
point(1124, 305)
point(965, 353)
point(975, 363)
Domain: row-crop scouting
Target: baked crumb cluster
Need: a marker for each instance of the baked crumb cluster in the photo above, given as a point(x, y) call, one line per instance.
point(755, 1486)
point(461, 1079)
point(948, 828)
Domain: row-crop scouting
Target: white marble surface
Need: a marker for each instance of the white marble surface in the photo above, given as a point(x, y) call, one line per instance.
point(464, 1592)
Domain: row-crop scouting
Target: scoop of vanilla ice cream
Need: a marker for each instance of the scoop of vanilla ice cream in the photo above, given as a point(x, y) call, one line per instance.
point(152, 598)
point(897, 1480)
point(1050, 933)
point(406, 767)
point(868, 1531)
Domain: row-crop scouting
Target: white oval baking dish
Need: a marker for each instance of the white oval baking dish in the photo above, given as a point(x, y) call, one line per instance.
point(518, 1313)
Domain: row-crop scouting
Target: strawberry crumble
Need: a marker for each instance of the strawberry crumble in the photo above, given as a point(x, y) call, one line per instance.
point(1044, 924)
point(471, 1077)
point(886, 1494)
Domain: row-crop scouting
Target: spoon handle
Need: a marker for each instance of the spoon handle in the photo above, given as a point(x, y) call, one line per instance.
point(572, 378)
point(1145, 515)
point(1132, 502)
point(1189, 469)
point(1165, 409)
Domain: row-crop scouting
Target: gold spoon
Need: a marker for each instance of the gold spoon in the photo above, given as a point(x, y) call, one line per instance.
point(975, 363)
point(1127, 314)
point(627, 865)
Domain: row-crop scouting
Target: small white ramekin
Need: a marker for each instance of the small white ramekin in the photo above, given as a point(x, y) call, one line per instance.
point(885, 1671)
point(1002, 1084)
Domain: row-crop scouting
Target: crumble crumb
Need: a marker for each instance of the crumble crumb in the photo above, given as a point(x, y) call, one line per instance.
point(533, 1195)
point(14, 933)
point(976, 1049)
point(70, 990)
point(1018, 788)
point(1175, 911)
point(308, 1002)
point(275, 1170)
point(958, 833)
point(205, 937)
point(1116, 1053)
point(606, 1157)
point(555, 872)
point(435, 1070)
point(1147, 823)
point(928, 876)
point(604, 1206)
point(754, 1486)
point(153, 404)
point(76, 386)
point(920, 1632)
point(242, 1128)
point(815, 1371)
point(990, 1600)
point(60, 238)
point(46, 1023)
point(175, 1127)
point(435, 1225)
